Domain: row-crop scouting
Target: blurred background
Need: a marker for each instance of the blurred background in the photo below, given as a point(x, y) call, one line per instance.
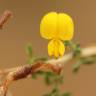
point(23, 28)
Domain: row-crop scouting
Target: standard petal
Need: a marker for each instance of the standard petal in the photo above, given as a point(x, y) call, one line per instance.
point(65, 26)
point(48, 25)
point(61, 48)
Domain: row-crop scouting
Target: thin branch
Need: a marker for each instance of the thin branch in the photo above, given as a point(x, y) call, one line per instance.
point(85, 52)
point(54, 65)
point(25, 71)
point(4, 18)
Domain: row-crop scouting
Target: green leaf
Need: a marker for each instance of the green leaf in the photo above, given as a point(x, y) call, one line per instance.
point(67, 43)
point(66, 94)
point(76, 50)
point(48, 78)
point(76, 67)
point(74, 47)
point(29, 50)
point(88, 60)
point(55, 90)
point(31, 60)
point(47, 95)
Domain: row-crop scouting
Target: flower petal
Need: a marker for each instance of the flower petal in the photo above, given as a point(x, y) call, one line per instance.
point(56, 48)
point(65, 26)
point(51, 48)
point(61, 48)
point(48, 25)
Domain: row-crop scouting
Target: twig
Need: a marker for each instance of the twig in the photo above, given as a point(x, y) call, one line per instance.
point(54, 65)
point(85, 52)
point(4, 18)
point(26, 70)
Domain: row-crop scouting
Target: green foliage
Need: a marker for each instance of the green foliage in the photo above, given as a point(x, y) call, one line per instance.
point(83, 61)
point(52, 79)
point(66, 94)
point(76, 67)
point(29, 50)
point(54, 92)
point(55, 81)
point(31, 57)
point(76, 49)
point(88, 60)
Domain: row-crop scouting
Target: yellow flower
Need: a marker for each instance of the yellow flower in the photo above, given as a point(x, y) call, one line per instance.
point(56, 27)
